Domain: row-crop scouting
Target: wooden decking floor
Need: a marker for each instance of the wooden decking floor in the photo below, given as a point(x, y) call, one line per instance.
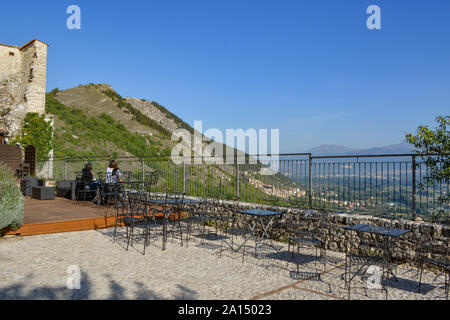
point(62, 215)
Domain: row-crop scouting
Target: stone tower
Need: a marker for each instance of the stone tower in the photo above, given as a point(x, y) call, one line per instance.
point(23, 72)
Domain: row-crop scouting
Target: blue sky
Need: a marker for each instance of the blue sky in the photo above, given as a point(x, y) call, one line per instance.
point(309, 68)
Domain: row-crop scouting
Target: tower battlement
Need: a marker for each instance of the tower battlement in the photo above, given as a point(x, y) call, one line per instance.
point(23, 72)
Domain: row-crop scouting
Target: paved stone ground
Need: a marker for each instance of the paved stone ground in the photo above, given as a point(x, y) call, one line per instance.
point(36, 268)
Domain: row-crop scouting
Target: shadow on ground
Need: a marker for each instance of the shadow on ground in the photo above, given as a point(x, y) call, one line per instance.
point(21, 291)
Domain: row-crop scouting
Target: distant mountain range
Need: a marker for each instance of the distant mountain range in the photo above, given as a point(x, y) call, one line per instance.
point(337, 150)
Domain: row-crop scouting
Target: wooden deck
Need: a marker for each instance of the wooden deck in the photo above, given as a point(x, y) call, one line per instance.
point(62, 215)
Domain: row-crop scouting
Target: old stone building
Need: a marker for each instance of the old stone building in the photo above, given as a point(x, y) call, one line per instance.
point(22, 83)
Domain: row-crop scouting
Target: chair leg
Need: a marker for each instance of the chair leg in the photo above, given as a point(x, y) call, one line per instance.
point(188, 231)
point(221, 246)
point(145, 240)
point(243, 253)
point(420, 277)
point(128, 236)
point(256, 244)
point(348, 284)
point(446, 286)
point(181, 230)
point(115, 223)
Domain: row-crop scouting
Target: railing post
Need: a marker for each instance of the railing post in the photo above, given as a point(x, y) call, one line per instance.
point(413, 186)
point(184, 176)
point(143, 173)
point(237, 177)
point(65, 168)
point(310, 181)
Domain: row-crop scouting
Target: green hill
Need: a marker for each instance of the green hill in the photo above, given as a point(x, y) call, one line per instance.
point(92, 120)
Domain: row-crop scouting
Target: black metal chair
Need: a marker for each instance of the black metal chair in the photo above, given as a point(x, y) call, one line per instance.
point(130, 211)
point(82, 192)
point(151, 181)
point(367, 255)
point(156, 216)
point(437, 257)
point(206, 211)
point(232, 225)
point(175, 217)
point(308, 232)
point(108, 192)
point(127, 176)
point(170, 208)
point(101, 175)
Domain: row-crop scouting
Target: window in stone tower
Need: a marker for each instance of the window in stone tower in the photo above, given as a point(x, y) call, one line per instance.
point(31, 77)
point(11, 54)
point(25, 98)
point(35, 55)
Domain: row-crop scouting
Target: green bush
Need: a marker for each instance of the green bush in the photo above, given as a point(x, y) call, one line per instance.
point(38, 132)
point(11, 200)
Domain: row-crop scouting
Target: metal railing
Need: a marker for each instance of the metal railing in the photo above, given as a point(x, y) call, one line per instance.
point(376, 184)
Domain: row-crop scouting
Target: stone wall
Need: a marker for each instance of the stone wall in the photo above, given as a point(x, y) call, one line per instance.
point(22, 83)
point(333, 222)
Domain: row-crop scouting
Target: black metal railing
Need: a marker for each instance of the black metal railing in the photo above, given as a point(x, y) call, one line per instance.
point(392, 184)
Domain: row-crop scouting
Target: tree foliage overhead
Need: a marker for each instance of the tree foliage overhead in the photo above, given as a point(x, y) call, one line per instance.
point(434, 148)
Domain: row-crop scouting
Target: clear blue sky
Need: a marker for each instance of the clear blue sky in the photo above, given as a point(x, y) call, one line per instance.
point(309, 68)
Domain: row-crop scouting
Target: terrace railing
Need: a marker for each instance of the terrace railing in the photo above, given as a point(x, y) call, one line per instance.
point(376, 184)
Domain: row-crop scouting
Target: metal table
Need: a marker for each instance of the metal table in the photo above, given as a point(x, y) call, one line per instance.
point(381, 253)
point(166, 213)
point(265, 219)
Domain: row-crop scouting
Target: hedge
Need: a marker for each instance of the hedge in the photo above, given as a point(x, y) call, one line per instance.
point(11, 200)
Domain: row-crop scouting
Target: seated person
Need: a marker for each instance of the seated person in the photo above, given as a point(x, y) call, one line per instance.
point(113, 174)
point(88, 178)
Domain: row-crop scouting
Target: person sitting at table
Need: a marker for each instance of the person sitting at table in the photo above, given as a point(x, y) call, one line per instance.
point(88, 178)
point(113, 174)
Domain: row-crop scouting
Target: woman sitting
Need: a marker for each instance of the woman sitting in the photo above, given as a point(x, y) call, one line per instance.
point(88, 178)
point(113, 174)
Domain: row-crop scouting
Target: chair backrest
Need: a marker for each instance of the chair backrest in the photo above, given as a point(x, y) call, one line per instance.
point(434, 249)
point(179, 201)
point(309, 226)
point(150, 181)
point(101, 175)
point(126, 176)
point(210, 203)
point(134, 199)
point(80, 184)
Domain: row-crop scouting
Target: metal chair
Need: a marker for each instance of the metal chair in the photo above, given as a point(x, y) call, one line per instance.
point(175, 217)
point(365, 256)
point(205, 211)
point(130, 211)
point(170, 208)
point(308, 232)
point(437, 257)
point(109, 191)
point(230, 225)
point(151, 181)
point(81, 190)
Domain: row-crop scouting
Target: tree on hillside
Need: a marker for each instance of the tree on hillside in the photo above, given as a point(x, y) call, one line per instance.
point(433, 146)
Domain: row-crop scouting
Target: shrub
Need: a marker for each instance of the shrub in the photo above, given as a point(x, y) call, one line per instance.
point(11, 200)
point(38, 132)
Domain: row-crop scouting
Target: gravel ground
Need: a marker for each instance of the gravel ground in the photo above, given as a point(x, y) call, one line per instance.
point(37, 268)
